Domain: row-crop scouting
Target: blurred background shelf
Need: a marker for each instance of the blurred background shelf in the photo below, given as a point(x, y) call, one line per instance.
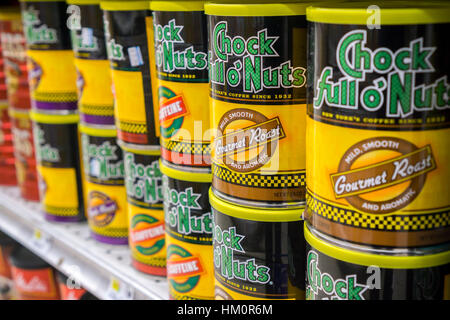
point(104, 270)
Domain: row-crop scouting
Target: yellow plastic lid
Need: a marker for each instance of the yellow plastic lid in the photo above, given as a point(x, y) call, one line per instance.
point(254, 214)
point(97, 132)
point(85, 2)
point(390, 13)
point(177, 5)
point(256, 9)
point(116, 5)
point(141, 150)
point(381, 260)
point(184, 175)
point(53, 118)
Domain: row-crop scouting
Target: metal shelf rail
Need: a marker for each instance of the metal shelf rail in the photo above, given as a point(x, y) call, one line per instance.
point(104, 270)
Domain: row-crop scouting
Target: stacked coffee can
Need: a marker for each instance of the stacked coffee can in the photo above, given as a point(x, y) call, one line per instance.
point(7, 160)
point(180, 51)
point(257, 72)
point(53, 92)
point(128, 35)
point(15, 68)
point(378, 152)
point(103, 167)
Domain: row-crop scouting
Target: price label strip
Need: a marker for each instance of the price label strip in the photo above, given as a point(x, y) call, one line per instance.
point(118, 290)
point(41, 241)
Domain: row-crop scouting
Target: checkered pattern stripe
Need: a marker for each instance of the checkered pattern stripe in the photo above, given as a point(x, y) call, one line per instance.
point(61, 211)
point(97, 110)
point(139, 128)
point(195, 148)
point(403, 222)
point(55, 96)
point(286, 180)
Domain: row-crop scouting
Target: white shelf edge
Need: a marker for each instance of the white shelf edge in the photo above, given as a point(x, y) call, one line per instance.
point(72, 247)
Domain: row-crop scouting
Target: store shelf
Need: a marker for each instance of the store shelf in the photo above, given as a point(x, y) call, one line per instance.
point(104, 270)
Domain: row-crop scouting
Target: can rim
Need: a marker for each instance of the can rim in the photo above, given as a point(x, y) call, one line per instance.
point(184, 175)
point(177, 5)
point(391, 13)
point(252, 213)
point(96, 132)
point(54, 119)
point(116, 5)
point(256, 9)
point(85, 2)
point(146, 152)
point(371, 259)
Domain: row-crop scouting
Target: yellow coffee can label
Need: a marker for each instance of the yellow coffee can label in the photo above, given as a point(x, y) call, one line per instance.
point(377, 135)
point(59, 170)
point(189, 270)
point(143, 180)
point(127, 45)
point(258, 90)
point(52, 74)
point(181, 62)
point(106, 200)
point(95, 97)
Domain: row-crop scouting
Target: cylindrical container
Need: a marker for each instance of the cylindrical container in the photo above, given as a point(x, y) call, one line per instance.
point(258, 253)
point(190, 269)
point(70, 290)
point(14, 53)
point(7, 245)
point(95, 97)
point(127, 44)
point(33, 278)
point(104, 186)
point(7, 168)
point(52, 85)
point(26, 171)
point(258, 102)
point(56, 140)
point(378, 124)
point(338, 270)
point(143, 181)
point(181, 59)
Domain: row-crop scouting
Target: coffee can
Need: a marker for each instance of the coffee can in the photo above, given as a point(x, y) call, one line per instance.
point(259, 254)
point(56, 141)
point(378, 124)
point(51, 69)
point(190, 271)
point(143, 181)
point(257, 58)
